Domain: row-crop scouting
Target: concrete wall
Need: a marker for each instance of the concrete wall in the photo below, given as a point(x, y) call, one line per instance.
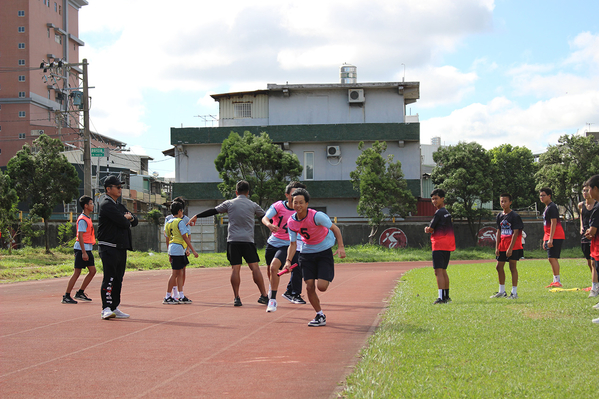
point(148, 237)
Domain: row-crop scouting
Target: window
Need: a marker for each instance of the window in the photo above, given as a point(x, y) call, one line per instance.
point(243, 110)
point(55, 7)
point(21, 62)
point(21, 78)
point(21, 135)
point(58, 39)
point(21, 29)
point(21, 13)
point(22, 94)
point(22, 114)
point(309, 165)
point(21, 45)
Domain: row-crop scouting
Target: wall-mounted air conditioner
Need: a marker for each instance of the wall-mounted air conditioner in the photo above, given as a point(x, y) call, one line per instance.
point(37, 132)
point(333, 151)
point(355, 95)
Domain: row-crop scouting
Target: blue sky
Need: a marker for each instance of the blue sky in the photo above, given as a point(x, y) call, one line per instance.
point(519, 72)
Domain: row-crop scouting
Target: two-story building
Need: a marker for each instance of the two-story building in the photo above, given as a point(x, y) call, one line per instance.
point(320, 123)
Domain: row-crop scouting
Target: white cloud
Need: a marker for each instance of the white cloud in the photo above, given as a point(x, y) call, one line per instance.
point(136, 45)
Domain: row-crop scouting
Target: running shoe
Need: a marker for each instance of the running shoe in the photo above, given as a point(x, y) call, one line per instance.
point(120, 315)
point(299, 300)
point(237, 301)
point(554, 285)
point(596, 321)
point(66, 298)
point(108, 313)
point(272, 306)
point(594, 293)
point(596, 306)
point(82, 297)
point(263, 299)
point(185, 300)
point(513, 296)
point(499, 295)
point(439, 301)
point(319, 320)
point(170, 301)
point(448, 300)
point(287, 295)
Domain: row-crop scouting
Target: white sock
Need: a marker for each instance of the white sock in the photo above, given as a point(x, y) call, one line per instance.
point(595, 286)
point(181, 295)
point(168, 295)
point(441, 294)
point(175, 292)
point(514, 290)
point(556, 279)
point(320, 313)
point(501, 288)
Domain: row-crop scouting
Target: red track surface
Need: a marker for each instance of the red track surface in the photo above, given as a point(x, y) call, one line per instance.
point(208, 349)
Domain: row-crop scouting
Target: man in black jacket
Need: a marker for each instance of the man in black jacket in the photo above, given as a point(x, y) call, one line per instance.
point(114, 239)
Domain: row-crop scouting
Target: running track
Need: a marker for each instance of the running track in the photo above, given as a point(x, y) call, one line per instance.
point(208, 349)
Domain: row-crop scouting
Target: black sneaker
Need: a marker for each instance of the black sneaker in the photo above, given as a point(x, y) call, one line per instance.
point(237, 301)
point(82, 297)
point(66, 298)
point(299, 300)
point(319, 320)
point(263, 299)
point(185, 300)
point(439, 301)
point(170, 301)
point(287, 295)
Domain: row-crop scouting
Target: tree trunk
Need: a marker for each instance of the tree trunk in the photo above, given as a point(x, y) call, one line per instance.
point(373, 231)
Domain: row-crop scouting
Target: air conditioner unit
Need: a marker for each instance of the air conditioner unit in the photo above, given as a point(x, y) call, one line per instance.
point(355, 95)
point(37, 132)
point(333, 151)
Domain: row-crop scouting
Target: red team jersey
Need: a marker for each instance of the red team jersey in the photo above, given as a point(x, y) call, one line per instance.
point(507, 223)
point(442, 238)
point(594, 222)
point(551, 212)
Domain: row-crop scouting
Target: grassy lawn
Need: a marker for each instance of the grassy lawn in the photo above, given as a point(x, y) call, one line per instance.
point(34, 264)
point(542, 345)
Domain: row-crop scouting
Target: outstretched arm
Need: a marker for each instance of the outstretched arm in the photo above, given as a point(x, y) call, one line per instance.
point(204, 214)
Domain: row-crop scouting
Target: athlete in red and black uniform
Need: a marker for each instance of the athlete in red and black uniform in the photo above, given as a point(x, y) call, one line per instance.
point(508, 245)
point(553, 236)
point(443, 243)
point(585, 209)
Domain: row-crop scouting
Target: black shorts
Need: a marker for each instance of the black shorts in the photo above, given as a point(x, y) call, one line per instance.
point(556, 250)
point(586, 249)
point(275, 252)
point(237, 251)
point(441, 259)
point(517, 254)
point(318, 266)
point(178, 262)
point(82, 264)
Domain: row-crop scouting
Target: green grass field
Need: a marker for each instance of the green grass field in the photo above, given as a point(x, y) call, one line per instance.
point(542, 345)
point(35, 264)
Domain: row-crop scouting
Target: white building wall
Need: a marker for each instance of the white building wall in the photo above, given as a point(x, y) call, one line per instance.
point(332, 107)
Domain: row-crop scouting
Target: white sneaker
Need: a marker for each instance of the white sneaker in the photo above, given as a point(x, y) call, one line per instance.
point(594, 293)
point(120, 315)
point(107, 313)
point(596, 321)
point(596, 306)
point(272, 306)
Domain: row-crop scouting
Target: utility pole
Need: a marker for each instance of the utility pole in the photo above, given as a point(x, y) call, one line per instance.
point(87, 158)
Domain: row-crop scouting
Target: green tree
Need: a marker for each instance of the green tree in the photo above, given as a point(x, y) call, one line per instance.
point(381, 185)
point(463, 171)
point(8, 209)
point(261, 163)
point(514, 173)
point(43, 178)
point(565, 167)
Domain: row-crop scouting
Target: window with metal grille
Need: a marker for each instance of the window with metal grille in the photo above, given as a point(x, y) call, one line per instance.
point(243, 110)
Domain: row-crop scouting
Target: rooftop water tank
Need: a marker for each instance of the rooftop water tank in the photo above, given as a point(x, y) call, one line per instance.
point(348, 74)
